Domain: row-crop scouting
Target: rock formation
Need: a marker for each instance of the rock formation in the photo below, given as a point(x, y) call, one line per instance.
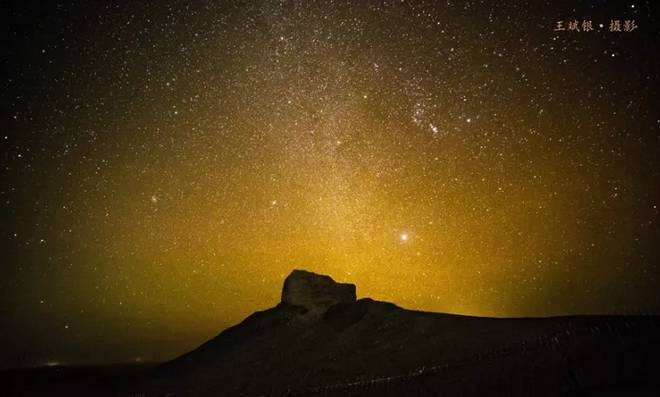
point(322, 341)
point(314, 292)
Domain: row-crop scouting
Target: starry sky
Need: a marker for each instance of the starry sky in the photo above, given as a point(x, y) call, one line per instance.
point(166, 165)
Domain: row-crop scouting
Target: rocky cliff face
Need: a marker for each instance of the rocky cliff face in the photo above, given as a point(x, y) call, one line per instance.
point(314, 292)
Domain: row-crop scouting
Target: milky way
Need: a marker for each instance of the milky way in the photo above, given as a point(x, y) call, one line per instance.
point(165, 167)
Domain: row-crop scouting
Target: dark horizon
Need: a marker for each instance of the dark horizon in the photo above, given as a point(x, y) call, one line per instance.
point(136, 364)
point(343, 345)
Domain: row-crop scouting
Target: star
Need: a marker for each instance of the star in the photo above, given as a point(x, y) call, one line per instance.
point(434, 129)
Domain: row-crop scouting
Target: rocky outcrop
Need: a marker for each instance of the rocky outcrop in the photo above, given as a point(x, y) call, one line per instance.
point(315, 292)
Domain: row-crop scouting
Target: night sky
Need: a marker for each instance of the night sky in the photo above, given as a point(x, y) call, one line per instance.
point(164, 167)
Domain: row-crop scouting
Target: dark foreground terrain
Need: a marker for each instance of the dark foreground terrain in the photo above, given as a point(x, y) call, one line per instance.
point(321, 341)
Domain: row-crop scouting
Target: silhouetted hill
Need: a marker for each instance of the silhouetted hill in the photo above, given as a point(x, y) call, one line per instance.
point(321, 340)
